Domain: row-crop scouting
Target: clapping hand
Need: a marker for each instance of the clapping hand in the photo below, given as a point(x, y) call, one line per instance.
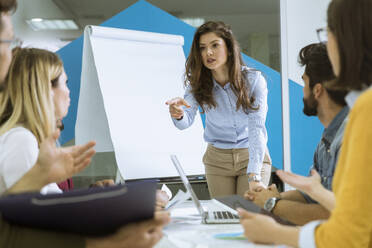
point(306, 184)
point(58, 164)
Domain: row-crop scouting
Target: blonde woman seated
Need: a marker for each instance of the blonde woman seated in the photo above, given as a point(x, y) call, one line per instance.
point(35, 93)
point(33, 104)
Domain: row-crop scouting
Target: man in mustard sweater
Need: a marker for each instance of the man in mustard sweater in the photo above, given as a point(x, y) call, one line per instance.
point(59, 164)
point(330, 107)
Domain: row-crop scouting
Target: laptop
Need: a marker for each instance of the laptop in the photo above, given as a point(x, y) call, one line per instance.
point(208, 217)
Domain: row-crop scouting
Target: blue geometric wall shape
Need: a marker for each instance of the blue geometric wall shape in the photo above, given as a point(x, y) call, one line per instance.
point(146, 17)
point(305, 132)
point(274, 114)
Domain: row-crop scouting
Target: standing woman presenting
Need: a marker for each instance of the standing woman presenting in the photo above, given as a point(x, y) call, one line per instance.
point(234, 100)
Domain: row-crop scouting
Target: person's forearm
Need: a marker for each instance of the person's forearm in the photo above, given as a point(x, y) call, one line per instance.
point(33, 180)
point(325, 197)
point(300, 213)
point(293, 195)
point(286, 235)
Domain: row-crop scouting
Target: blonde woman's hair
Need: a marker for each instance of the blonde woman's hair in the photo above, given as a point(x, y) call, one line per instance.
point(27, 99)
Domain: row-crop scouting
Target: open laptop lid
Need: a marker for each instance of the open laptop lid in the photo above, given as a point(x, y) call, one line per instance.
point(187, 184)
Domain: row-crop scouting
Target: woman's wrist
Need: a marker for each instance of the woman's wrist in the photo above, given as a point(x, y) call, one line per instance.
point(33, 180)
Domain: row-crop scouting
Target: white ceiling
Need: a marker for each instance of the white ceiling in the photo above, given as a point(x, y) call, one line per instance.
point(245, 16)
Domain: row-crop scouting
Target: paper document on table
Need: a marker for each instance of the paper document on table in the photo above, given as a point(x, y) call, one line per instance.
point(167, 191)
point(178, 199)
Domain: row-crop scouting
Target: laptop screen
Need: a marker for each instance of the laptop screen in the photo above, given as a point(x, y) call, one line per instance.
point(187, 184)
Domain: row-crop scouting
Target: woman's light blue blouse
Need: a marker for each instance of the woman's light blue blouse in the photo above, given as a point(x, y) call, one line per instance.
point(228, 128)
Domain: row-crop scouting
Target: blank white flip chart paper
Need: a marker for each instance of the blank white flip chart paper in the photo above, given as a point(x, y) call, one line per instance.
point(127, 76)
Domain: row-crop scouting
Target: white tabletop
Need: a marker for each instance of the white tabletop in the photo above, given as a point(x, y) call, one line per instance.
point(186, 231)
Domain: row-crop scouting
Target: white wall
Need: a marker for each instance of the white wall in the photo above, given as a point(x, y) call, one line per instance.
point(303, 18)
point(299, 21)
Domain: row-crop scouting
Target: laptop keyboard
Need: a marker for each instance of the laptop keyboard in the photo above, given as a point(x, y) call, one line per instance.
point(224, 215)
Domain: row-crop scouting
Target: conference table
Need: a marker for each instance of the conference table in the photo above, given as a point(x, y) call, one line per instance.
point(187, 231)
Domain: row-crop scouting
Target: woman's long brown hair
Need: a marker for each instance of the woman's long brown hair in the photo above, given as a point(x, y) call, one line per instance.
point(200, 78)
point(350, 22)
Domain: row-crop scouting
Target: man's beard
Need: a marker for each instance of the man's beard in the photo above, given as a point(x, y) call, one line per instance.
point(310, 106)
point(2, 87)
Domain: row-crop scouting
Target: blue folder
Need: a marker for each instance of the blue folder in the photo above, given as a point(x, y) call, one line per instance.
point(89, 212)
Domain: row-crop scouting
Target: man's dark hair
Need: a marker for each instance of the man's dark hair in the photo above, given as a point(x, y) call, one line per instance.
point(319, 69)
point(7, 6)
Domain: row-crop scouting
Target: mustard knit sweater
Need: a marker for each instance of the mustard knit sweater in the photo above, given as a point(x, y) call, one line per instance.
point(350, 224)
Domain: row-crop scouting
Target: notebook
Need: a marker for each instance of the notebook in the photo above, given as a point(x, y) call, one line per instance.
point(90, 212)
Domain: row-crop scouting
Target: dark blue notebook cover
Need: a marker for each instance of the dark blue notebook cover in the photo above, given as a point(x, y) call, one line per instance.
point(90, 212)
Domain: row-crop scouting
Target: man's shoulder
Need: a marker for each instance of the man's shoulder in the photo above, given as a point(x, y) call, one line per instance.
point(337, 141)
